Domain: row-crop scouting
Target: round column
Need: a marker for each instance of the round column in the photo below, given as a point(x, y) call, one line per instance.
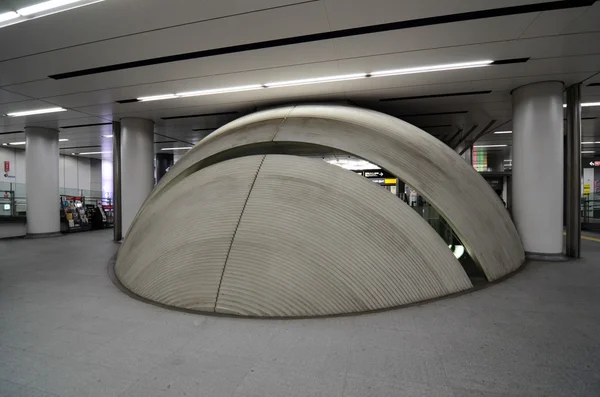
point(164, 161)
point(41, 175)
point(137, 166)
point(538, 168)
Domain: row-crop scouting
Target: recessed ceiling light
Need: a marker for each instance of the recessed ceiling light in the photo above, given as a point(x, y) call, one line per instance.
point(156, 97)
point(94, 153)
point(220, 90)
point(17, 143)
point(503, 132)
point(37, 111)
point(7, 16)
point(585, 104)
point(325, 79)
point(433, 68)
point(484, 146)
point(177, 148)
point(45, 6)
point(107, 136)
point(329, 79)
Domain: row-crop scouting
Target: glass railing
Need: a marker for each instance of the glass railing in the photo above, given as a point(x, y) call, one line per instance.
point(590, 208)
point(439, 224)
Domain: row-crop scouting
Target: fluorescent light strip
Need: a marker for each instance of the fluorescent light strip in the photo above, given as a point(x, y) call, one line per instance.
point(326, 79)
point(47, 5)
point(17, 143)
point(329, 79)
point(41, 10)
point(590, 143)
point(484, 146)
point(434, 68)
point(63, 140)
point(177, 148)
point(7, 16)
point(588, 151)
point(585, 104)
point(156, 97)
point(503, 132)
point(93, 153)
point(107, 136)
point(38, 111)
point(220, 90)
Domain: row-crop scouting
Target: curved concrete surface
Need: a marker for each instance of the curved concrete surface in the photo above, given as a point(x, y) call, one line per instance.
point(459, 193)
point(281, 235)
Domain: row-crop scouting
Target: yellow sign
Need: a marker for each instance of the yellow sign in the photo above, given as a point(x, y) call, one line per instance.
point(390, 181)
point(587, 189)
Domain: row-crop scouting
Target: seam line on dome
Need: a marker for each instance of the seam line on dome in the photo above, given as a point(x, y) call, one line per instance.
point(236, 229)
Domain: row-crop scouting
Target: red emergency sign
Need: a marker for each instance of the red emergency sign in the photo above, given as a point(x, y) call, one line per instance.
point(6, 166)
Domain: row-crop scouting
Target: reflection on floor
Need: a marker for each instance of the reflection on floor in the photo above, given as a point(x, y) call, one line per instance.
point(65, 330)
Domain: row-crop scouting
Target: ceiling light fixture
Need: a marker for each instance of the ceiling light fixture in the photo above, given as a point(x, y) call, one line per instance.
point(94, 153)
point(7, 16)
point(177, 148)
point(585, 104)
point(503, 132)
point(17, 143)
point(326, 79)
point(588, 151)
point(47, 5)
point(5, 144)
point(63, 140)
point(433, 68)
point(38, 111)
point(487, 146)
point(156, 97)
point(220, 90)
point(107, 136)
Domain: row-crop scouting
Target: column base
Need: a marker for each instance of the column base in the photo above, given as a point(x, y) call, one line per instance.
point(44, 235)
point(538, 256)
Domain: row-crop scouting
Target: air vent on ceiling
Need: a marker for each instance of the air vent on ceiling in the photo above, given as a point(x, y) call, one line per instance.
point(11, 132)
point(128, 101)
point(436, 96)
point(198, 115)
point(66, 127)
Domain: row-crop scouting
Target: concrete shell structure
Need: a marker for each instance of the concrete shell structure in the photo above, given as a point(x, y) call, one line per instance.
point(281, 235)
point(213, 237)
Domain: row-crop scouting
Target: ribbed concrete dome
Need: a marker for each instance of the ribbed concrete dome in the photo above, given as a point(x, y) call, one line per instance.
point(281, 235)
point(240, 226)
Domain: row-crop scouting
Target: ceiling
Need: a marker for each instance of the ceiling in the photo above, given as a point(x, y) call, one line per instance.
point(115, 50)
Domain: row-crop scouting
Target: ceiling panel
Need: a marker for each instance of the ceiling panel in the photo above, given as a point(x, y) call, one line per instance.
point(276, 23)
point(453, 34)
point(586, 22)
point(345, 14)
point(253, 60)
point(553, 22)
point(113, 18)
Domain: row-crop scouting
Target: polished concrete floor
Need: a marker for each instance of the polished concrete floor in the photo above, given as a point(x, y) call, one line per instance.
point(65, 330)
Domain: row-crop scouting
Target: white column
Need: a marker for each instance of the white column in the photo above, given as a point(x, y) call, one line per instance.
point(41, 169)
point(538, 167)
point(137, 166)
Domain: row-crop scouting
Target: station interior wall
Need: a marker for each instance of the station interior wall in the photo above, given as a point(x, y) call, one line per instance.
point(77, 175)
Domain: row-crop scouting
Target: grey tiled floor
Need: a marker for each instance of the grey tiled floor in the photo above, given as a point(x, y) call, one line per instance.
point(65, 330)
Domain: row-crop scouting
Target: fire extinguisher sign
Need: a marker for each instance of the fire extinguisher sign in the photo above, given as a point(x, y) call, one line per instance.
point(6, 166)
